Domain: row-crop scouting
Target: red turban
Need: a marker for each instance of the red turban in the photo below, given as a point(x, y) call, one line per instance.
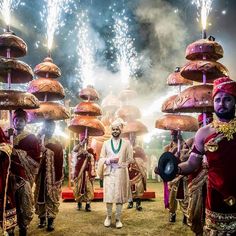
point(224, 84)
point(20, 113)
point(209, 118)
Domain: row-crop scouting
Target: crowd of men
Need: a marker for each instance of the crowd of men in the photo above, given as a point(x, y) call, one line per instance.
point(205, 184)
point(31, 176)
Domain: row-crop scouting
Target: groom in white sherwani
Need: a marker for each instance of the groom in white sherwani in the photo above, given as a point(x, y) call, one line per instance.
point(116, 155)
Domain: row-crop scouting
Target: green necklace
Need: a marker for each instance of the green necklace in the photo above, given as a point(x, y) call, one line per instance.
point(113, 148)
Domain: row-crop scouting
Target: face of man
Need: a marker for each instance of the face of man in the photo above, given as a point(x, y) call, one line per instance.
point(19, 123)
point(224, 106)
point(115, 131)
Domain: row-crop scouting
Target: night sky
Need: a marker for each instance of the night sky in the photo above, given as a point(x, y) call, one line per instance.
point(162, 46)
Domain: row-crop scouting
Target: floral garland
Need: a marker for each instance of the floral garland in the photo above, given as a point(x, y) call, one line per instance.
point(228, 129)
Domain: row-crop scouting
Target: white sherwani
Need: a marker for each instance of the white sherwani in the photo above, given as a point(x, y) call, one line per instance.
point(116, 185)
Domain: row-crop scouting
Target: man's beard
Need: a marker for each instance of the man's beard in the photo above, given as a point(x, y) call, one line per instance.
point(226, 115)
point(115, 135)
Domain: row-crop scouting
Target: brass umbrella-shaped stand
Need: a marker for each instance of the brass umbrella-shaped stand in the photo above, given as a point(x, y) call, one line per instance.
point(202, 68)
point(85, 121)
point(48, 90)
point(14, 71)
point(175, 121)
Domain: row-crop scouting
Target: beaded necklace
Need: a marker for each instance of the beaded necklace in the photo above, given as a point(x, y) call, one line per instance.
point(113, 148)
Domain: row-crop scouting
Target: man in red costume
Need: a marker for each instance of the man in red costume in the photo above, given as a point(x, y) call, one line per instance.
point(217, 142)
point(49, 178)
point(8, 219)
point(137, 175)
point(83, 173)
point(26, 156)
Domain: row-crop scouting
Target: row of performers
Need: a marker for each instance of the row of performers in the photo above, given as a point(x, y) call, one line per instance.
point(38, 160)
point(30, 160)
point(215, 141)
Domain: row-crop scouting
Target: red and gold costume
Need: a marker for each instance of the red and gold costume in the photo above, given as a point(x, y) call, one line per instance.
point(28, 154)
point(26, 159)
point(7, 198)
point(221, 186)
point(219, 149)
point(138, 173)
point(49, 180)
point(83, 173)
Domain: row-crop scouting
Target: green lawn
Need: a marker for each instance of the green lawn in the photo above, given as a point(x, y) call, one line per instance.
point(153, 220)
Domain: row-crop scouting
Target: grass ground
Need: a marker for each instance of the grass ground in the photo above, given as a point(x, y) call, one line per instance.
point(153, 220)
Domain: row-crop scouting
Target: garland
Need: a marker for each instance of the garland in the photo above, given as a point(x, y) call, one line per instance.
point(228, 129)
point(113, 148)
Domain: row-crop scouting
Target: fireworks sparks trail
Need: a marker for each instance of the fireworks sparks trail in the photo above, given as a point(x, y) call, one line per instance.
point(127, 58)
point(53, 11)
point(6, 7)
point(85, 50)
point(205, 7)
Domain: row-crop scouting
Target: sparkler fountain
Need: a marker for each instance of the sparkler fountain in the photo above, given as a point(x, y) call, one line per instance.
point(122, 46)
point(127, 57)
point(202, 67)
point(6, 7)
point(85, 51)
point(85, 122)
point(45, 87)
point(13, 70)
point(205, 8)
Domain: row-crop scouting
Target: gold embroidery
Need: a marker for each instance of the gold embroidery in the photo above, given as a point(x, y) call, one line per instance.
point(220, 221)
point(7, 148)
point(228, 129)
point(20, 136)
point(212, 144)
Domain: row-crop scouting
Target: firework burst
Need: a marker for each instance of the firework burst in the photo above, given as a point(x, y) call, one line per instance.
point(204, 6)
point(85, 50)
point(6, 7)
point(52, 12)
point(126, 55)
